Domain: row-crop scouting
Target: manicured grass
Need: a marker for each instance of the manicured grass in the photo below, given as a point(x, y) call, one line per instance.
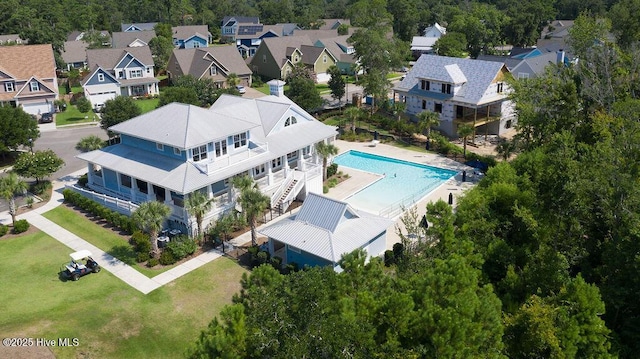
point(73, 116)
point(147, 105)
point(109, 318)
point(103, 238)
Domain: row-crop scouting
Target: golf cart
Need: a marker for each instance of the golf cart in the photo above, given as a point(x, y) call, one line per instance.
point(81, 264)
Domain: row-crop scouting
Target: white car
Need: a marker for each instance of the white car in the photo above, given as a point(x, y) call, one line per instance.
point(241, 89)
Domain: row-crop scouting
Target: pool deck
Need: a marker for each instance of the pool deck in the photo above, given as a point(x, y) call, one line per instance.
point(359, 179)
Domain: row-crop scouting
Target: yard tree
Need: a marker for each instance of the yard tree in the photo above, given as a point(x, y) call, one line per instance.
point(353, 114)
point(625, 22)
point(38, 165)
point(186, 95)
point(10, 186)
point(405, 18)
point(119, 109)
point(482, 27)
point(161, 49)
point(17, 129)
point(198, 204)
point(302, 89)
point(464, 131)
point(526, 21)
point(252, 201)
point(453, 44)
point(90, 143)
point(326, 151)
point(83, 104)
point(149, 217)
point(205, 88)
point(233, 80)
point(587, 32)
point(336, 83)
point(426, 120)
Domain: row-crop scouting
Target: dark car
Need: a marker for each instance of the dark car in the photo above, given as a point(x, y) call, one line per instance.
point(46, 118)
point(81, 264)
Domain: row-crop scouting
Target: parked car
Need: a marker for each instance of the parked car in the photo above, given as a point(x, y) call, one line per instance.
point(46, 118)
point(241, 89)
point(81, 264)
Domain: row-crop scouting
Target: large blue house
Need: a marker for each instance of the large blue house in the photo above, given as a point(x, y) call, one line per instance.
point(166, 154)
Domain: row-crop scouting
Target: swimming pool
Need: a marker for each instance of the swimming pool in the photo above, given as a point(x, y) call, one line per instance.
point(403, 182)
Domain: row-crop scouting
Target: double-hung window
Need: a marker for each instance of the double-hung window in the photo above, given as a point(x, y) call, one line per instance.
point(240, 140)
point(221, 148)
point(9, 87)
point(35, 86)
point(135, 73)
point(199, 153)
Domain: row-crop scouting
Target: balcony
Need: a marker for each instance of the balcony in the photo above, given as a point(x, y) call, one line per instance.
point(212, 165)
point(476, 120)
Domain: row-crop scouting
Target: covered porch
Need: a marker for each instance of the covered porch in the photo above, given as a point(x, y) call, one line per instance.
point(485, 119)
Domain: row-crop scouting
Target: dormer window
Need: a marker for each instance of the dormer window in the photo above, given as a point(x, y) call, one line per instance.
point(290, 121)
point(199, 153)
point(446, 88)
point(425, 85)
point(213, 70)
point(100, 77)
point(240, 140)
point(500, 84)
point(35, 86)
point(9, 87)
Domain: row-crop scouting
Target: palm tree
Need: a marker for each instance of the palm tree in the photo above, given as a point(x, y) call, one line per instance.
point(149, 217)
point(506, 148)
point(90, 143)
point(197, 205)
point(427, 119)
point(353, 113)
point(464, 131)
point(325, 150)
point(10, 186)
point(233, 80)
point(252, 201)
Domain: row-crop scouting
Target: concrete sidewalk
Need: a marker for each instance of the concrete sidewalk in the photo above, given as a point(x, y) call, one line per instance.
point(118, 268)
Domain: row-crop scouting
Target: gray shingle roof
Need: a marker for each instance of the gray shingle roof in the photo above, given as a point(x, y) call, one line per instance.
point(479, 75)
point(198, 60)
point(185, 32)
point(281, 47)
point(74, 51)
point(242, 19)
point(511, 63)
point(109, 58)
point(123, 39)
point(310, 53)
point(144, 26)
point(327, 228)
point(538, 63)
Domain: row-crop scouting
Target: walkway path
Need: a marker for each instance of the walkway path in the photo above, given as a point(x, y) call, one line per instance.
point(118, 268)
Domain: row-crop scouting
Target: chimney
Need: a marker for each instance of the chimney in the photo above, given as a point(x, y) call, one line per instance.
point(560, 57)
point(276, 87)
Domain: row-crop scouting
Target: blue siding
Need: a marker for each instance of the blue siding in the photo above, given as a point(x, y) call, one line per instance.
point(108, 79)
point(268, 34)
point(303, 258)
point(190, 43)
point(110, 179)
point(218, 186)
point(151, 147)
point(134, 64)
point(124, 61)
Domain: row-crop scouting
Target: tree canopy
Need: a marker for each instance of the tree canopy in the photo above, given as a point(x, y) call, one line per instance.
point(17, 128)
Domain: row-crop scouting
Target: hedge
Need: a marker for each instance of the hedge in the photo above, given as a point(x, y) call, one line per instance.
point(114, 218)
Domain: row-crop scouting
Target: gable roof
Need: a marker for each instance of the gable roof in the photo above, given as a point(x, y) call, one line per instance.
point(437, 27)
point(337, 46)
point(281, 47)
point(332, 24)
point(241, 19)
point(538, 64)
point(109, 58)
point(558, 29)
point(123, 39)
point(143, 26)
point(74, 51)
point(423, 42)
point(322, 34)
point(196, 61)
point(510, 62)
point(327, 228)
point(478, 75)
point(186, 32)
point(26, 61)
point(310, 54)
point(96, 71)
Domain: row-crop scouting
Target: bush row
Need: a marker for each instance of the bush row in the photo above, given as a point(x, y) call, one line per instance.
point(20, 226)
point(3, 230)
point(114, 218)
point(260, 257)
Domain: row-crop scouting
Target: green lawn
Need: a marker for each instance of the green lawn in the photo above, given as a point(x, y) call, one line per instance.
point(101, 237)
point(109, 318)
point(147, 105)
point(73, 116)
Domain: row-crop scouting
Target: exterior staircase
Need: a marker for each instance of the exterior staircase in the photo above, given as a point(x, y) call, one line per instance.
point(286, 193)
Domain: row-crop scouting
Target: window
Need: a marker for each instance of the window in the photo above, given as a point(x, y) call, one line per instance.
point(196, 44)
point(9, 87)
point(35, 86)
point(221, 148)
point(177, 151)
point(264, 58)
point(306, 151)
point(135, 73)
point(446, 88)
point(324, 59)
point(159, 146)
point(212, 70)
point(425, 85)
point(276, 162)
point(290, 121)
point(437, 108)
point(523, 75)
point(296, 59)
point(292, 155)
point(500, 85)
point(199, 153)
point(100, 77)
point(424, 104)
point(120, 74)
point(148, 70)
point(508, 124)
point(259, 169)
point(125, 181)
point(240, 140)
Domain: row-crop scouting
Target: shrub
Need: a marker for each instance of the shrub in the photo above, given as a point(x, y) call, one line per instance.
point(276, 262)
point(20, 226)
point(181, 249)
point(291, 267)
point(325, 189)
point(332, 182)
point(83, 180)
point(3, 230)
point(30, 202)
point(83, 105)
point(141, 242)
point(152, 262)
point(332, 169)
point(40, 188)
point(389, 258)
point(261, 258)
point(166, 258)
point(253, 251)
point(398, 250)
point(142, 257)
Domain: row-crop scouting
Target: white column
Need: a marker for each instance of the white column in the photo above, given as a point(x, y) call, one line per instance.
point(167, 197)
point(150, 195)
point(300, 161)
point(90, 169)
point(269, 174)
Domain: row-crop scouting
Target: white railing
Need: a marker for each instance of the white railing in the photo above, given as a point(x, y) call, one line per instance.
point(216, 164)
point(121, 205)
point(283, 186)
point(398, 207)
point(313, 170)
point(300, 177)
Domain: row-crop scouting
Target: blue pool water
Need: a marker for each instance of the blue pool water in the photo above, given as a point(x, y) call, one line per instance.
point(403, 183)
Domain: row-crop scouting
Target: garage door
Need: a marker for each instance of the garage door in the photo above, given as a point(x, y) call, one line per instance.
point(323, 77)
point(37, 108)
point(98, 100)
